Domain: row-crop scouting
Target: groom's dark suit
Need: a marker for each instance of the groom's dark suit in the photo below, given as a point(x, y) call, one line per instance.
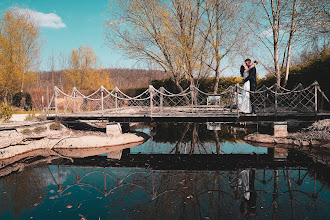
point(252, 77)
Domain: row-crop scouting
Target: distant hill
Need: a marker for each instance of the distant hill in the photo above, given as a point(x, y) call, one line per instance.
point(122, 78)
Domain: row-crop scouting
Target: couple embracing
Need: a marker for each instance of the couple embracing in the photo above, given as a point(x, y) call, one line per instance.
point(246, 99)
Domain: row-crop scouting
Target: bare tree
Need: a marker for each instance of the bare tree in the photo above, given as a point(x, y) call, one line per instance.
point(289, 23)
point(225, 32)
point(164, 32)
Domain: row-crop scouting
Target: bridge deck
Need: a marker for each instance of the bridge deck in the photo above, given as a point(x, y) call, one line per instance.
point(186, 114)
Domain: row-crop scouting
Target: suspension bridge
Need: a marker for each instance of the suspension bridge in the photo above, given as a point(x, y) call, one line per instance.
point(273, 103)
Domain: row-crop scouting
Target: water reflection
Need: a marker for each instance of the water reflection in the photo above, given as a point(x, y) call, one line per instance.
point(156, 194)
point(183, 172)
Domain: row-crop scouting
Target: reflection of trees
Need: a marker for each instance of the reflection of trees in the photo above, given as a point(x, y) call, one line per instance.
point(23, 190)
point(200, 194)
point(191, 138)
point(172, 132)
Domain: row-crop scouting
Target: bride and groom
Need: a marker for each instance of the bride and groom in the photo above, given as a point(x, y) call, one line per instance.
point(246, 99)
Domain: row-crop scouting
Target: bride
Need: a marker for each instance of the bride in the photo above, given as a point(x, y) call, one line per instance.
point(244, 103)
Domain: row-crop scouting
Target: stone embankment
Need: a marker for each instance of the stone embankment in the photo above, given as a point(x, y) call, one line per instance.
point(55, 139)
point(318, 134)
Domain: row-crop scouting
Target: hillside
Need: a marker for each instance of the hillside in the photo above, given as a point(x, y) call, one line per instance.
point(122, 78)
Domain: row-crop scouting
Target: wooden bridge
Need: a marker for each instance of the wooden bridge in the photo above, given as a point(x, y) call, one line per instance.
point(273, 103)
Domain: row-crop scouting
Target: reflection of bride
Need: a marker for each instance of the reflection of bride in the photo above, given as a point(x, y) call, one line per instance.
point(244, 103)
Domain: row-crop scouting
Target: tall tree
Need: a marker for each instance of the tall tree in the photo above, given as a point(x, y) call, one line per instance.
point(165, 32)
point(289, 23)
point(19, 50)
point(84, 71)
point(226, 32)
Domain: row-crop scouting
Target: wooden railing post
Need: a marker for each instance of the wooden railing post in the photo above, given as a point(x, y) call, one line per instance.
point(192, 92)
point(102, 101)
point(55, 94)
point(276, 104)
point(47, 101)
point(151, 92)
point(116, 98)
point(316, 85)
point(74, 99)
point(162, 90)
point(236, 94)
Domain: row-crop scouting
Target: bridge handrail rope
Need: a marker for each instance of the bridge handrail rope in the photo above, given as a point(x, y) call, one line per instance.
point(267, 98)
point(183, 93)
point(229, 89)
point(170, 93)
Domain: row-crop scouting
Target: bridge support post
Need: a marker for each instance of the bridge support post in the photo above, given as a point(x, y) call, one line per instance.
point(280, 129)
point(113, 129)
point(161, 89)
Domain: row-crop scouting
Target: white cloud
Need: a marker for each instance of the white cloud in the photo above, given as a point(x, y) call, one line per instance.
point(50, 20)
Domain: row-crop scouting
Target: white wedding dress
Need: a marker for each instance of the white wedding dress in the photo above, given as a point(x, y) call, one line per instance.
point(244, 103)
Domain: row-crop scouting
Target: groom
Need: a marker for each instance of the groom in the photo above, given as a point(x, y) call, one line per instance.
point(252, 77)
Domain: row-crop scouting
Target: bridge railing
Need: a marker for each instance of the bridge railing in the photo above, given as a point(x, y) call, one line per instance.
point(274, 99)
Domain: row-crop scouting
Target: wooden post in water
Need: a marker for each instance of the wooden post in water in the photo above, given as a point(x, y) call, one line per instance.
point(161, 89)
point(192, 92)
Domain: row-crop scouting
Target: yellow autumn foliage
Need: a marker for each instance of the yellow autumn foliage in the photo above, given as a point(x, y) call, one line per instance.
point(19, 50)
point(84, 73)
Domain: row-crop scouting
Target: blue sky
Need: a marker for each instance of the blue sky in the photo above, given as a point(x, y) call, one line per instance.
point(71, 24)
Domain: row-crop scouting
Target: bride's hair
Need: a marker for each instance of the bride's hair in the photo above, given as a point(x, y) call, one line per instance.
point(242, 71)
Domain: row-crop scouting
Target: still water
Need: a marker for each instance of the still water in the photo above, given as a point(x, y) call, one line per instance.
point(184, 171)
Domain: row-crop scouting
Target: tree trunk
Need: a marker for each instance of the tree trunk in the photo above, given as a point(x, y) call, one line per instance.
point(217, 78)
point(277, 64)
point(287, 67)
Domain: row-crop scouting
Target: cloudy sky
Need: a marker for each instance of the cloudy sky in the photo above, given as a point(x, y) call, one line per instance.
point(67, 24)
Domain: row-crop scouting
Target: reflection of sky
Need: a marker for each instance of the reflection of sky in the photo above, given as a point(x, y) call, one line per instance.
point(55, 175)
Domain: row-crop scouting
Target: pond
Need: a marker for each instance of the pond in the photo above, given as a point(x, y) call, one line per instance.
point(184, 171)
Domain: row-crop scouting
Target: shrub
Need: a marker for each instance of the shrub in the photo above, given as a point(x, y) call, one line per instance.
point(26, 131)
point(55, 126)
point(6, 112)
point(41, 117)
point(30, 117)
point(17, 100)
point(40, 129)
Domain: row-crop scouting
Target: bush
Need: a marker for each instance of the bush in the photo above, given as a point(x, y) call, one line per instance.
point(40, 129)
point(26, 131)
point(55, 126)
point(30, 117)
point(26, 104)
point(41, 117)
point(6, 112)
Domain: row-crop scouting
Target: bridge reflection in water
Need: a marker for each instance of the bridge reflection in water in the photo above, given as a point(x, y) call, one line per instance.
point(183, 173)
